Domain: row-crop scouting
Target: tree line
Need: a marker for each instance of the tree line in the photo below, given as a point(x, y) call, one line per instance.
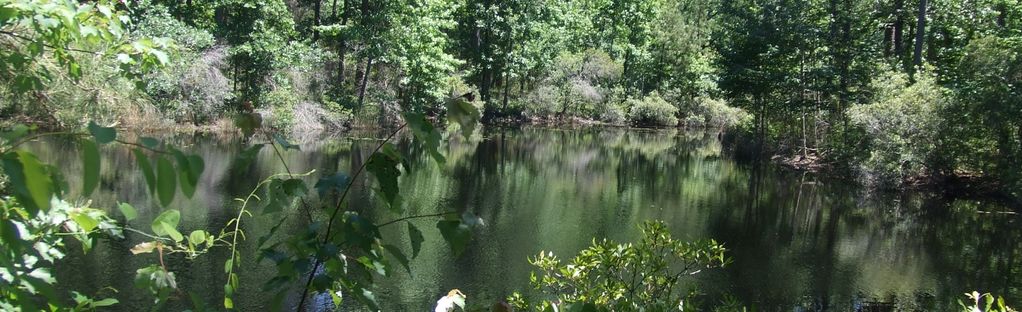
point(901, 89)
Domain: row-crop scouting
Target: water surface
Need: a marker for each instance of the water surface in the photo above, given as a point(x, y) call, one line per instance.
point(799, 242)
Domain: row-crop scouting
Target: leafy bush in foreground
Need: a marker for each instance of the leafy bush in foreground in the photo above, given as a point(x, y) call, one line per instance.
point(984, 302)
point(624, 276)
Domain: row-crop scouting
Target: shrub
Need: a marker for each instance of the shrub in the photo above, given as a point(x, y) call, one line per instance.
point(613, 114)
point(577, 86)
point(706, 112)
point(624, 277)
point(192, 88)
point(278, 108)
point(543, 102)
point(902, 125)
point(984, 302)
point(652, 111)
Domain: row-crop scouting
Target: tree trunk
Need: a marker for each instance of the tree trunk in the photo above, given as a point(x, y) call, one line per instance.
point(333, 11)
point(1002, 9)
point(920, 33)
point(507, 89)
point(342, 45)
point(899, 27)
point(317, 6)
point(365, 81)
point(888, 38)
point(507, 76)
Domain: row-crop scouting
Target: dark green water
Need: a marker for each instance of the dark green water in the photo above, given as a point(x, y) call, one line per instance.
point(800, 243)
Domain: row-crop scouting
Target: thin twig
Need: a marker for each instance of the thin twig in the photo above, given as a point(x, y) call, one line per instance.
point(416, 217)
point(143, 147)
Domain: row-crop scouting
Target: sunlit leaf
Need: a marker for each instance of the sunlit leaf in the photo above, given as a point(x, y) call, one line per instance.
point(166, 220)
point(128, 211)
point(144, 247)
point(85, 221)
point(90, 165)
point(197, 237)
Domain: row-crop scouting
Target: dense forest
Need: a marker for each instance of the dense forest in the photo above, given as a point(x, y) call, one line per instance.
point(898, 92)
point(895, 93)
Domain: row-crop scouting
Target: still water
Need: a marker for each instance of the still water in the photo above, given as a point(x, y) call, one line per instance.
point(799, 242)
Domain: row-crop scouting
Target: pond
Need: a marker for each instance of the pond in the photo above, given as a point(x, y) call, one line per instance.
point(799, 242)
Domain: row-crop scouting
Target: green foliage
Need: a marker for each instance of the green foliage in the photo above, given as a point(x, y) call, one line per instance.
point(652, 111)
point(625, 277)
point(903, 126)
point(986, 109)
point(32, 243)
point(705, 112)
point(985, 302)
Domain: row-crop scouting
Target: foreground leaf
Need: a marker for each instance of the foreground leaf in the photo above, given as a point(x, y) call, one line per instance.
point(90, 166)
point(456, 234)
point(102, 134)
point(166, 181)
point(415, 236)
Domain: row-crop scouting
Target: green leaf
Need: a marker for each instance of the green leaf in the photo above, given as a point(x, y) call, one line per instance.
point(335, 182)
point(456, 234)
point(103, 135)
point(15, 133)
point(30, 180)
point(172, 232)
point(166, 180)
point(166, 220)
point(400, 256)
point(415, 236)
point(149, 142)
point(147, 170)
point(427, 134)
point(86, 222)
point(384, 166)
point(190, 169)
point(464, 114)
point(245, 159)
point(284, 143)
point(197, 237)
point(104, 303)
point(91, 165)
point(128, 211)
point(366, 297)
